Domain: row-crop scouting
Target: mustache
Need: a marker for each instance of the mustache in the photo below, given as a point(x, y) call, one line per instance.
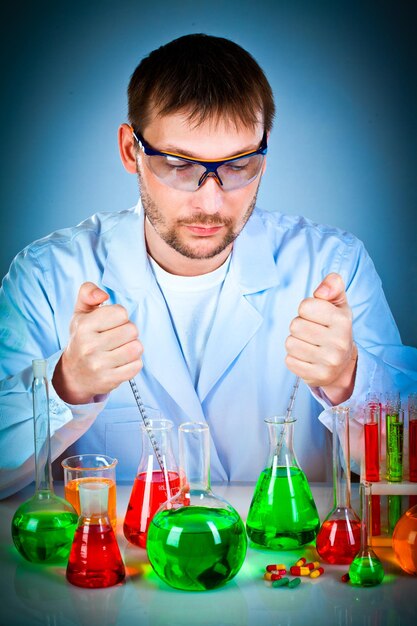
point(206, 220)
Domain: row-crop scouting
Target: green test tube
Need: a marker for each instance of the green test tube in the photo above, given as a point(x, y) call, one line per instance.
point(394, 512)
point(394, 421)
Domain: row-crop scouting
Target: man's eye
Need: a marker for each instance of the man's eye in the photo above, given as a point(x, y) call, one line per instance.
point(177, 164)
point(234, 167)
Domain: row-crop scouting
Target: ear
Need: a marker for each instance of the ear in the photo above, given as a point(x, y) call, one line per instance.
point(127, 148)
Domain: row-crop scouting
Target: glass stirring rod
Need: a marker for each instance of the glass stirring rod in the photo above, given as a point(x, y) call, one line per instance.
point(147, 424)
point(288, 412)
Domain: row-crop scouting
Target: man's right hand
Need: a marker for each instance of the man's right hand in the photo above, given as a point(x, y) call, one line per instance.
point(103, 349)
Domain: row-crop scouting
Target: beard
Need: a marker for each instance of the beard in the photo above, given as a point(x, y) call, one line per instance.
point(171, 233)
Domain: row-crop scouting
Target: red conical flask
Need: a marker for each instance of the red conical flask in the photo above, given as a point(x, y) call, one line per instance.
point(95, 560)
point(154, 484)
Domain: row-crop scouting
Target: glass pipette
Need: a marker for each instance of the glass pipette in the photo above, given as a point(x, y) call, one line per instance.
point(147, 424)
point(288, 412)
point(292, 399)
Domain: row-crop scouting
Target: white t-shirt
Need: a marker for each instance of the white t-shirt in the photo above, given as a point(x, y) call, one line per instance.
point(192, 303)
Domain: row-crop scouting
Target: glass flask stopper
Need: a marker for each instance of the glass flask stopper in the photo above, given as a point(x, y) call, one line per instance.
point(153, 484)
point(196, 541)
point(282, 514)
point(366, 569)
point(404, 541)
point(43, 526)
point(95, 560)
point(338, 540)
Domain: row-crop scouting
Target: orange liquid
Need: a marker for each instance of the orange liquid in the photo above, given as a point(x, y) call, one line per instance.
point(404, 541)
point(73, 496)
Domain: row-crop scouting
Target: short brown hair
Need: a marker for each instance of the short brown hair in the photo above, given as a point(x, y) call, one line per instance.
point(206, 76)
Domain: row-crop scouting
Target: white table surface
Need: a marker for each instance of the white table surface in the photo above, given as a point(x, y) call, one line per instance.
point(39, 594)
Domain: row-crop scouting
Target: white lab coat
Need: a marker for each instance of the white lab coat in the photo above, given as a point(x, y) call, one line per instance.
point(276, 262)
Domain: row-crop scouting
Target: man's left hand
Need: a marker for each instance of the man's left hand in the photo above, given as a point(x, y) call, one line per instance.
point(320, 347)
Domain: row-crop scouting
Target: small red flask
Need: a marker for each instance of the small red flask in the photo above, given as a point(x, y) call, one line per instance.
point(95, 560)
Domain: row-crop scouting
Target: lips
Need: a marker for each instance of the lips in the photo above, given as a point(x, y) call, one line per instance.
point(204, 231)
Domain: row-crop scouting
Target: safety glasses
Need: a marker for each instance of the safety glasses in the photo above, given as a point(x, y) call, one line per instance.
point(188, 174)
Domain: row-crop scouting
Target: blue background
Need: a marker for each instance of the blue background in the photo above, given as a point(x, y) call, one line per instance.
point(343, 150)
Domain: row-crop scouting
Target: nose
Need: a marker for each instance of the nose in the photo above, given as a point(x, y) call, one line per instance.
point(209, 196)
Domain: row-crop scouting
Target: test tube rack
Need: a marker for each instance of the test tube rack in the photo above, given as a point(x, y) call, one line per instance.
point(385, 489)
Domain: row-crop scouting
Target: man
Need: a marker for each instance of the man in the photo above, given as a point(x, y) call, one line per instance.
point(200, 289)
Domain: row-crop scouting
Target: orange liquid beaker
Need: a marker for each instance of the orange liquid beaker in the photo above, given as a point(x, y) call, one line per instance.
point(90, 468)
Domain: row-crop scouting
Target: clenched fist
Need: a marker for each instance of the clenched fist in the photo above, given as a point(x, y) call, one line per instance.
point(320, 347)
point(103, 350)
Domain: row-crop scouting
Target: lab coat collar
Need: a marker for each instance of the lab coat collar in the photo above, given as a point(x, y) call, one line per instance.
point(127, 269)
point(253, 265)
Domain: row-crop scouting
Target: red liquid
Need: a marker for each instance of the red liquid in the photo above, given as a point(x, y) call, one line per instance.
point(95, 559)
point(145, 500)
point(412, 449)
point(339, 540)
point(376, 515)
point(371, 452)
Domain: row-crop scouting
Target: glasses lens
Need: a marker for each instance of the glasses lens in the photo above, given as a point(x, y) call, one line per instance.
point(187, 176)
point(240, 172)
point(176, 173)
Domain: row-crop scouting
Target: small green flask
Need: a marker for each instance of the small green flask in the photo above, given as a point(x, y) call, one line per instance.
point(43, 527)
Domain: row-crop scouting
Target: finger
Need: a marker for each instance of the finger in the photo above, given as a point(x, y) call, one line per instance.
point(301, 350)
point(129, 353)
point(321, 312)
point(89, 298)
point(101, 320)
point(119, 336)
point(313, 374)
point(309, 331)
point(332, 289)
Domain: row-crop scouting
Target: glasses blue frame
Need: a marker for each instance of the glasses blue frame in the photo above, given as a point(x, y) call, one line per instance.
point(210, 166)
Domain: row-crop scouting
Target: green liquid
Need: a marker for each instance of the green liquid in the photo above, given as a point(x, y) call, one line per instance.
point(366, 571)
point(395, 436)
point(283, 514)
point(44, 536)
point(394, 511)
point(196, 548)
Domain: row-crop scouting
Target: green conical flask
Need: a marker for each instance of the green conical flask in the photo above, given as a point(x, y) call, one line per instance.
point(282, 514)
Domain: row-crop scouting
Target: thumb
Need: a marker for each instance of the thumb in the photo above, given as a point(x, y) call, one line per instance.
point(332, 289)
point(89, 298)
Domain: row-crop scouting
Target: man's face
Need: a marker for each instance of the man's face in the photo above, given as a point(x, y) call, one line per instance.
point(192, 232)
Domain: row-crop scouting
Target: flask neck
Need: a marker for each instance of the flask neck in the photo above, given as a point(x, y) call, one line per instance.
point(161, 432)
point(281, 450)
point(43, 474)
point(194, 454)
point(341, 458)
point(366, 516)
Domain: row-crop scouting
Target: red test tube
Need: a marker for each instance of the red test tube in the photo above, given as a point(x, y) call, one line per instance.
point(372, 447)
point(412, 436)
